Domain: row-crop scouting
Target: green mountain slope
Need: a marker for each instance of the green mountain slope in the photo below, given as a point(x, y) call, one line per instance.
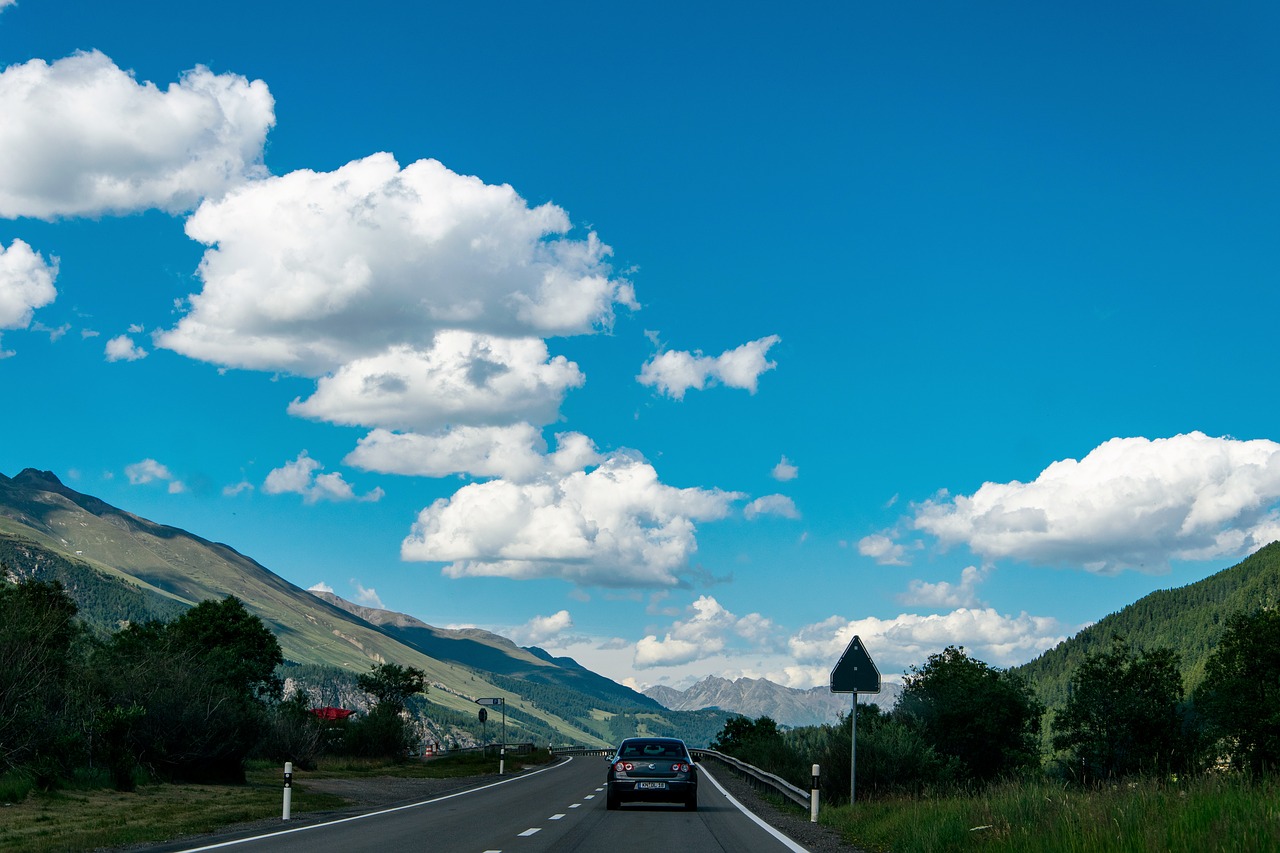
point(121, 567)
point(1189, 620)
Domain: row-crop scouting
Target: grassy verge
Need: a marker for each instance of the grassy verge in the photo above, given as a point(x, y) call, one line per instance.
point(1216, 813)
point(86, 817)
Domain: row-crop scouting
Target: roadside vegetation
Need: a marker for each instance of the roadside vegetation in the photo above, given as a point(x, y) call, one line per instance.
point(1131, 761)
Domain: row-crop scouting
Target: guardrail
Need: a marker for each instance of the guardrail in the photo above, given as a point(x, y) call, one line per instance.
point(761, 779)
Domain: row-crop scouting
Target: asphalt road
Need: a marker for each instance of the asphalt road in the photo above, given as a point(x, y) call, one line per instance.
point(559, 808)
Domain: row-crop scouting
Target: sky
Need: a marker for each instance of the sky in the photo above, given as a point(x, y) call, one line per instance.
point(684, 339)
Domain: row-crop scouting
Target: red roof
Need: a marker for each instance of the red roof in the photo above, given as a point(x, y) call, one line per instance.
point(332, 713)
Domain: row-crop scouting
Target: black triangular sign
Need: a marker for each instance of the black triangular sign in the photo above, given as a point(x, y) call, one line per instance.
point(855, 672)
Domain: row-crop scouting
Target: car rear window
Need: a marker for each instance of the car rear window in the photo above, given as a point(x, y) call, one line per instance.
point(652, 749)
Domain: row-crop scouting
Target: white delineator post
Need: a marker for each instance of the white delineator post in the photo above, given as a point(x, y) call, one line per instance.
point(813, 795)
point(288, 789)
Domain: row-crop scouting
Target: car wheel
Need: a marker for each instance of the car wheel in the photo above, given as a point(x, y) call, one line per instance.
point(611, 802)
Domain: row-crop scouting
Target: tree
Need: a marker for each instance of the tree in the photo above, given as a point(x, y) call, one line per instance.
point(38, 669)
point(202, 682)
point(391, 684)
point(741, 736)
point(986, 718)
point(1240, 695)
point(385, 731)
point(1123, 713)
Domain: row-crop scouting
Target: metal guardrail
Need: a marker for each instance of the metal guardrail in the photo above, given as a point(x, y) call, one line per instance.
point(757, 777)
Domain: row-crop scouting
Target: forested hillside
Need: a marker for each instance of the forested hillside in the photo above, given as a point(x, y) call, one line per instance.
point(1189, 620)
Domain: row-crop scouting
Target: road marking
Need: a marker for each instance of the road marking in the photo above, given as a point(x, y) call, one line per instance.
point(530, 831)
point(589, 797)
point(309, 827)
point(790, 845)
point(575, 805)
point(555, 817)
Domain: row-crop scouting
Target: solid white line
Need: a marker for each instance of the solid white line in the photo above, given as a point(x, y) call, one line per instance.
point(530, 831)
point(374, 814)
point(790, 845)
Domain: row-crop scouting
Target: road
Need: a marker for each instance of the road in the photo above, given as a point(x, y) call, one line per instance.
point(558, 808)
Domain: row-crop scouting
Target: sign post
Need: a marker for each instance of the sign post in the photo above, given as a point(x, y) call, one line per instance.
point(502, 748)
point(854, 673)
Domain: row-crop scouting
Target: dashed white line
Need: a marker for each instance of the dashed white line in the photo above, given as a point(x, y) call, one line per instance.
point(589, 797)
point(575, 805)
point(555, 817)
point(530, 831)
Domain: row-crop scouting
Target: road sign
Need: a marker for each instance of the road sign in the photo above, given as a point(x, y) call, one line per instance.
point(855, 672)
point(484, 715)
point(495, 701)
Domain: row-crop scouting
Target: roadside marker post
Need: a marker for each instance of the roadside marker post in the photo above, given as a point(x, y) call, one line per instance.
point(813, 795)
point(288, 790)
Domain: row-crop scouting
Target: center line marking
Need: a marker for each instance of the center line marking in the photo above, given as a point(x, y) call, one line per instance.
point(575, 805)
point(589, 797)
point(529, 831)
point(555, 817)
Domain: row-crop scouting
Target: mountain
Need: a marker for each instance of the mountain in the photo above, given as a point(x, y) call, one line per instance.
point(483, 650)
point(759, 697)
point(1189, 619)
point(120, 567)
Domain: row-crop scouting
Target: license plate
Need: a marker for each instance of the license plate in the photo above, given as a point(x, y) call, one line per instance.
point(652, 786)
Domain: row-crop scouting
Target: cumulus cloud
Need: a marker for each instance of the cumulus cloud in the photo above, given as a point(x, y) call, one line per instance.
point(785, 471)
point(367, 597)
point(674, 372)
point(26, 283)
point(881, 548)
point(462, 378)
point(300, 477)
point(151, 471)
point(908, 639)
point(514, 453)
point(771, 505)
point(1131, 503)
point(616, 525)
point(320, 587)
point(543, 629)
point(312, 271)
point(943, 594)
point(706, 633)
point(82, 137)
point(123, 348)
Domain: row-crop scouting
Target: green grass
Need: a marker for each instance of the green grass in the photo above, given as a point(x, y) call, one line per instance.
point(1214, 813)
point(85, 816)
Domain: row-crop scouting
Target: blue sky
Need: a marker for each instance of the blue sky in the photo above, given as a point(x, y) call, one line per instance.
point(684, 339)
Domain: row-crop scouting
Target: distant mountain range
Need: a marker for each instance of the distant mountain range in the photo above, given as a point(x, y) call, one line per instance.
point(120, 568)
point(759, 697)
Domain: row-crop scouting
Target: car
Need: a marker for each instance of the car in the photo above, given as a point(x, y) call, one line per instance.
point(653, 770)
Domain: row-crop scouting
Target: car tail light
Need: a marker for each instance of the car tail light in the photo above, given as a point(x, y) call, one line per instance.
point(680, 768)
point(624, 766)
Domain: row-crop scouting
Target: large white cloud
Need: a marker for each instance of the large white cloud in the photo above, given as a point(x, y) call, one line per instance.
point(301, 477)
point(1130, 503)
point(312, 271)
point(462, 378)
point(26, 283)
point(81, 137)
point(908, 639)
point(707, 632)
point(674, 372)
point(616, 525)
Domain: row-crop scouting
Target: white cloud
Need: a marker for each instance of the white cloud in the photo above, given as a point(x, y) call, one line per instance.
point(367, 597)
point(514, 453)
point(543, 629)
point(771, 505)
point(881, 548)
point(785, 471)
point(6, 3)
point(614, 526)
point(674, 372)
point(943, 594)
point(908, 639)
point(82, 137)
point(151, 471)
point(320, 587)
point(461, 379)
point(300, 477)
point(26, 283)
point(1131, 503)
point(312, 271)
point(706, 633)
point(122, 348)
point(237, 488)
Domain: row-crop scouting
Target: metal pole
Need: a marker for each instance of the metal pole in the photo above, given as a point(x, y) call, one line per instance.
point(502, 750)
point(853, 752)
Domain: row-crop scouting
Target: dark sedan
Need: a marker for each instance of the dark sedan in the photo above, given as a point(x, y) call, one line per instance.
point(652, 769)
